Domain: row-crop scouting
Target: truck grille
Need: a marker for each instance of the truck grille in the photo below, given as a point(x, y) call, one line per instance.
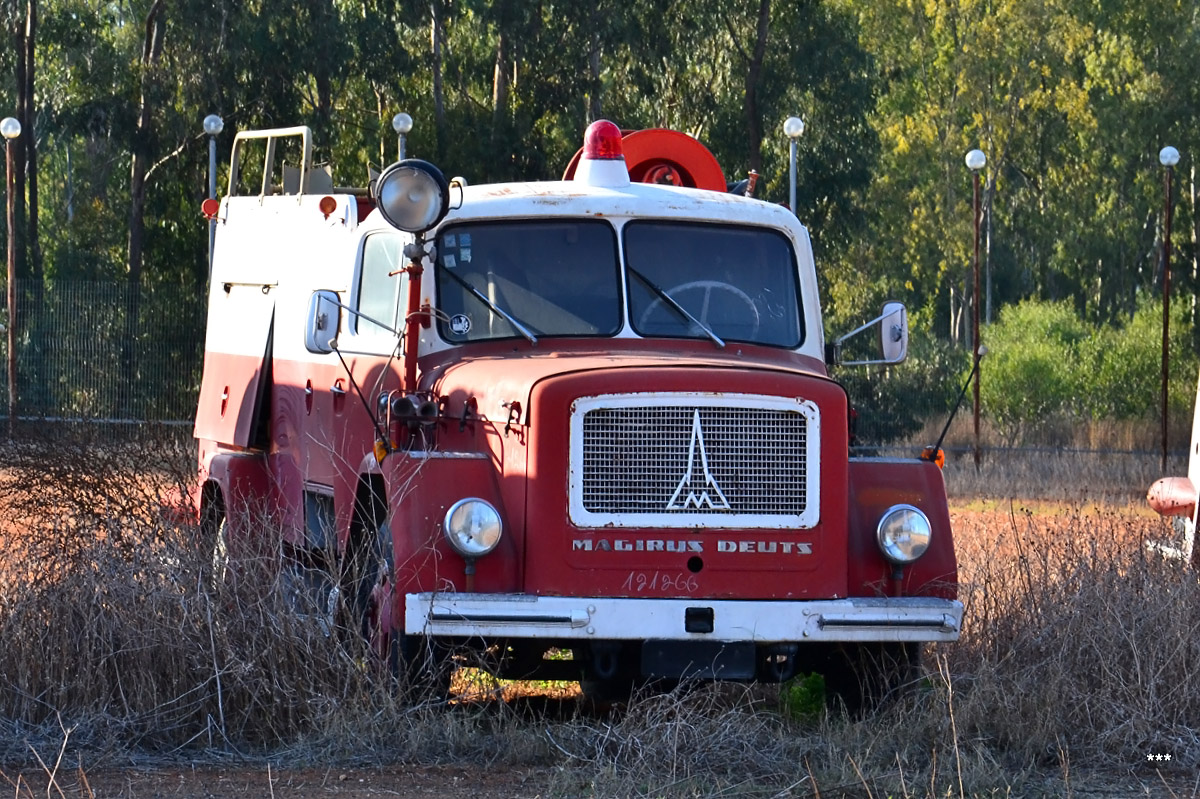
point(688, 461)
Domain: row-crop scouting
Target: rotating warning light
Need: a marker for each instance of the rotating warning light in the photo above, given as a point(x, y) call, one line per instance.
point(603, 161)
point(602, 141)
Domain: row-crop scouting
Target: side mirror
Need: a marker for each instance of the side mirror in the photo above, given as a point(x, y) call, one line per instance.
point(893, 338)
point(893, 332)
point(324, 322)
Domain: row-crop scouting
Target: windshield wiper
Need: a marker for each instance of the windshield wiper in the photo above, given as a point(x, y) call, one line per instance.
point(669, 300)
point(491, 306)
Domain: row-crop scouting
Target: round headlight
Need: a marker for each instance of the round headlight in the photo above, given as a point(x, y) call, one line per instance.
point(904, 534)
point(472, 527)
point(412, 195)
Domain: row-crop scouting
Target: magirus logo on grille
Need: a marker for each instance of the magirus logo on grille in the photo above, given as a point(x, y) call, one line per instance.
point(701, 491)
point(695, 461)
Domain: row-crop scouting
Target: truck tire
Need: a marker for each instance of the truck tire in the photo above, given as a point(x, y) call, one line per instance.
point(423, 667)
point(861, 678)
point(611, 673)
point(364, 557)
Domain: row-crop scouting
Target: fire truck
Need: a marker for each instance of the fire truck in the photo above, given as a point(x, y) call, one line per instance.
point(585, 427)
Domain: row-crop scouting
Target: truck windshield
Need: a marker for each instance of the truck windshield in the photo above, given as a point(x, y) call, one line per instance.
point(740, 283)
point(556, 278)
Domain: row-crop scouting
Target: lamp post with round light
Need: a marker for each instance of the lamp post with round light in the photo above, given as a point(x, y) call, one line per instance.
point(213, 125)
point(793, 128)
point(10, 128)
point(402, 123)
point(1168, 157)
point(976, 160)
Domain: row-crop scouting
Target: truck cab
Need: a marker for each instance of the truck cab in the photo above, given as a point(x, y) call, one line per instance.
point(585, 426)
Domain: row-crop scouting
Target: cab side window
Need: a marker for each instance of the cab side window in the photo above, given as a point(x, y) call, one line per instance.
point(378, 288)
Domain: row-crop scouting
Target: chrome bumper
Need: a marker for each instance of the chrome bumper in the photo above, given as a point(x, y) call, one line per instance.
point(760, 621)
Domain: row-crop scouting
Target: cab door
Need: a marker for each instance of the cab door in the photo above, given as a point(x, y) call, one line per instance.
point(339, 430)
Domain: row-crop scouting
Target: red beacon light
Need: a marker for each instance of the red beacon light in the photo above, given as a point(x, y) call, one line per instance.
point(603, 161)
point(602, 142)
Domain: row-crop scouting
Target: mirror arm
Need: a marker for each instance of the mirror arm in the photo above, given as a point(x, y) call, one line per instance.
point(867, 363)
point(361, 315)
point(838, 342)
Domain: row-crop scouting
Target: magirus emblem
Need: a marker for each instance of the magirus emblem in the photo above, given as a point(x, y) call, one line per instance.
point(698, 491)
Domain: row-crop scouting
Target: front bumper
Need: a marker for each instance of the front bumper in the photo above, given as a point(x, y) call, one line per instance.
point(758, 621)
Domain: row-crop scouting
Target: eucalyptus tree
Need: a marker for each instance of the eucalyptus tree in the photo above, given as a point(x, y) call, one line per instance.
point(1070, 100)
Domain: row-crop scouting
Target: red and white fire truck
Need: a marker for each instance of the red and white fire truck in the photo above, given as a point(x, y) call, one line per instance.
point(586, 426)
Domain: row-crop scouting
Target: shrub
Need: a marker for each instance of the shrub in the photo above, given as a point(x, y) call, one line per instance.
point(1124, 378)
point(1032, 375)
point(1046, 366)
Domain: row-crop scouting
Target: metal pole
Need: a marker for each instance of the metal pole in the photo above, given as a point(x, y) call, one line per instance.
point(975, 321)
point(792, 177)
point(12, 292)
point(1166, 310)
point(402, 123)
point(213, 125)
point(212, 194)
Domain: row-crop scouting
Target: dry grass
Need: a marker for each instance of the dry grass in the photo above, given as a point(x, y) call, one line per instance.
point(1080, 636)
point(1081, 655)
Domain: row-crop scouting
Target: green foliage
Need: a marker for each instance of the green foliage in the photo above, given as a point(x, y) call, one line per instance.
point(1124, 374)
point(802, 698)
point(1046, 365)
point(1033, 372)
point(1071, 103)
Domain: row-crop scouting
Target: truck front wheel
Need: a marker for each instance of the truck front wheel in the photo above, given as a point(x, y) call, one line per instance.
point(860, 678)
point(611, 671)
point(424, 667)
point(365, 558)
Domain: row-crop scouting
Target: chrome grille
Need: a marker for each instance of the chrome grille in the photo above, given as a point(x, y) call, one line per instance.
point(636, 459)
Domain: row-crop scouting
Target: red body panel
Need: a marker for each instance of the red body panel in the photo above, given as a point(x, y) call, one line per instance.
point(875, 486)
point(423, 490)
point(247, 488)
point(229, 397)
point(238, 343)
point(725, 563)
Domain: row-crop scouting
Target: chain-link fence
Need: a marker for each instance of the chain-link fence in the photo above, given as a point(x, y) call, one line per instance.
point(105, 352)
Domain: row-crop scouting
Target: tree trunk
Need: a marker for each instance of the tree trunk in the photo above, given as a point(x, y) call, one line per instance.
point(594, 110)
point(754, 131)
point(28, 124)
point(436, 36)
point(18, 150)
point(322, 72)
point(500, 79)
point(33, 289)
point(151, 52)
point(500, 74)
